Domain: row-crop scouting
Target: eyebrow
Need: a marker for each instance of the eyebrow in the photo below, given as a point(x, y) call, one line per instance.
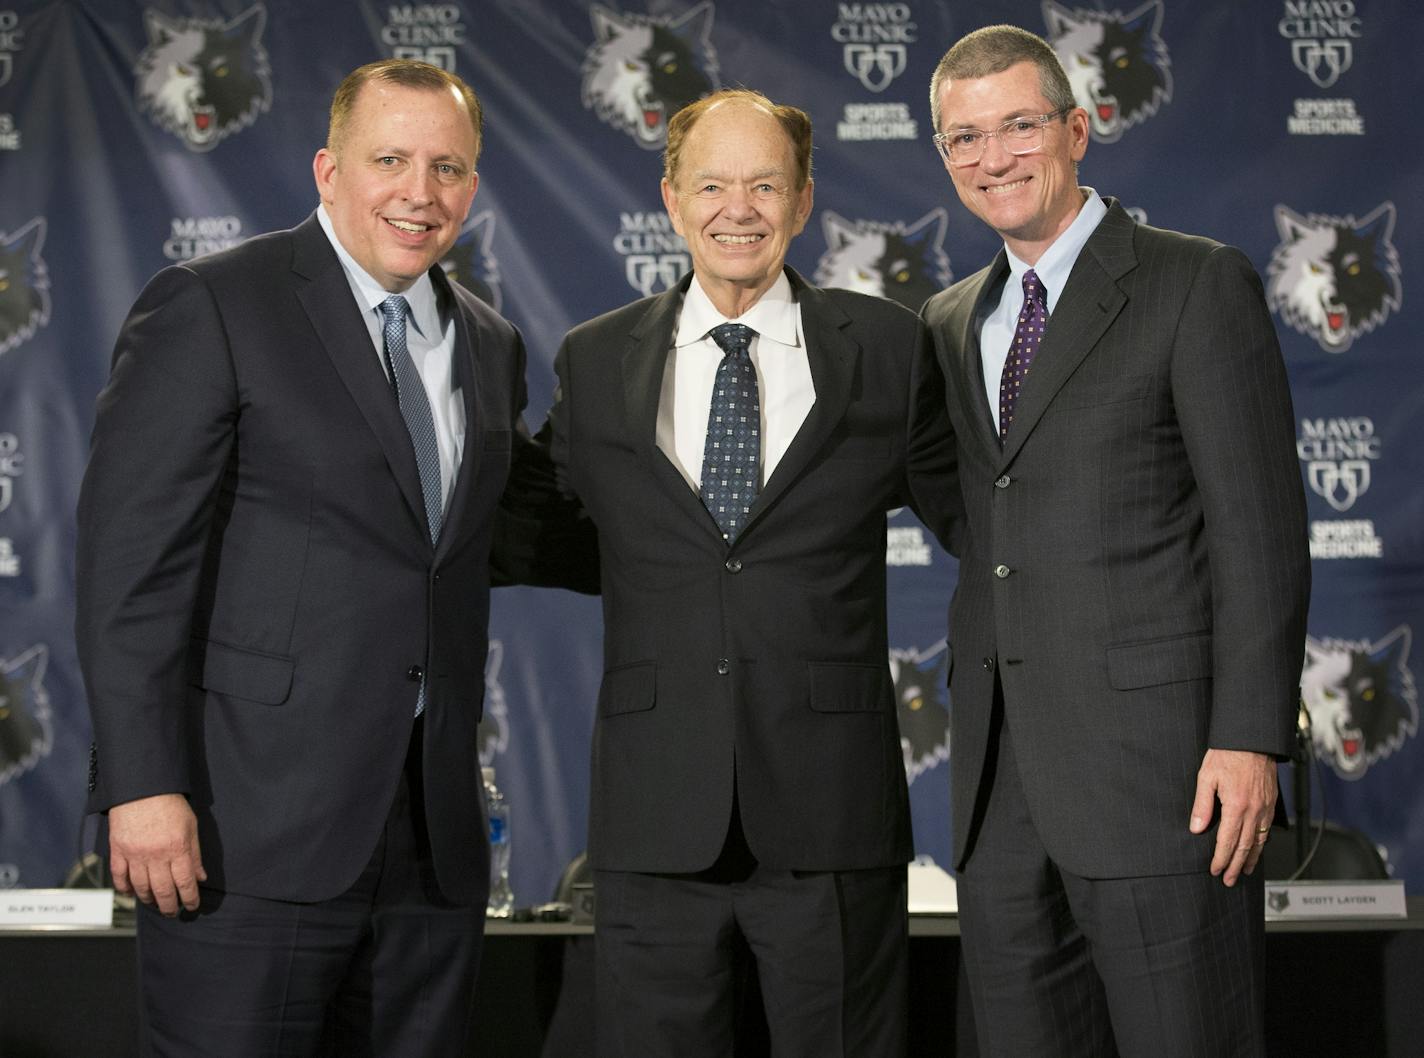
point(760, 174)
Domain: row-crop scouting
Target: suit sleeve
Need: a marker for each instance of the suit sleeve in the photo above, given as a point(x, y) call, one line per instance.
point(165, 428)
point(542, 536)
point(1233, 403)
point(931, 460)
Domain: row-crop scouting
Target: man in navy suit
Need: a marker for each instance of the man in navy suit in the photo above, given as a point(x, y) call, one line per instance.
point(284, 560)
point(737, 441)
point(1129, 621)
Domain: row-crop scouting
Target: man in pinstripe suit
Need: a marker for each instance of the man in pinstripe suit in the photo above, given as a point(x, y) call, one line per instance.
point(1130, 617)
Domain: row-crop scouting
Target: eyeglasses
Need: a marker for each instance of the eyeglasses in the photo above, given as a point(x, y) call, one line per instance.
point(1017, 136)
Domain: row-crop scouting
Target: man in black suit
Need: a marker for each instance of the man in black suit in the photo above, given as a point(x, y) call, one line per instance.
point(737, 441)
point(283, 569)
point(1129, 621)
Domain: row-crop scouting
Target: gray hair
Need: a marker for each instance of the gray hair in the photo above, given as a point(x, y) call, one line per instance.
point(994, 49)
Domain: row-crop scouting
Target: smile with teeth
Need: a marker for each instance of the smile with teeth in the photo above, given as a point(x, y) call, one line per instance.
point(999, 189)
point(737, 240)
point(410, 226)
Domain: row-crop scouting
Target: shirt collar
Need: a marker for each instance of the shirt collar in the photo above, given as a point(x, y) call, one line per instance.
point(1054, 267)
point(774, 315)
point(424, 313)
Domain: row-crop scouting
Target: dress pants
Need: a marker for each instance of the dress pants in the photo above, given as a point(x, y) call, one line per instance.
point(830, 950)
point(1062, 966)
point(386, 969)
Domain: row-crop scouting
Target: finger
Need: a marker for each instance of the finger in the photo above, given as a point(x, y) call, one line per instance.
point(187, 883)
point(119, 868)
point(1254, 858)
point(1238, 863)
point(1202, 805)
point(139, 880)
point(165, 896)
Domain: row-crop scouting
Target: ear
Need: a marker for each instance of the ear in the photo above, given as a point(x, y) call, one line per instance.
point(324, 171)
point(804, 201)
point(1078, 128)
point(670, 204)
point(474, 186)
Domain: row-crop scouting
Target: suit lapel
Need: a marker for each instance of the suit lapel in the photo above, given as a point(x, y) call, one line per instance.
point(1089, 303)
point(833, 357)
point(467, 377)
point(327, 300)
point(644, 362)
point(963, 325)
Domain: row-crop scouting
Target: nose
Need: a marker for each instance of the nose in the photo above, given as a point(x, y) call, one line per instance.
point(418, 186)
point(996, 157)
point(738, 204)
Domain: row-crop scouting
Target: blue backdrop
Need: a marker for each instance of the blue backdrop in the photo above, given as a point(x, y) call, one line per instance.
point(133, 136)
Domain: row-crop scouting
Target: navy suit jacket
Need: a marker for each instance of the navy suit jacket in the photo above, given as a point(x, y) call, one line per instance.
point(257, 592)
point(759, 671)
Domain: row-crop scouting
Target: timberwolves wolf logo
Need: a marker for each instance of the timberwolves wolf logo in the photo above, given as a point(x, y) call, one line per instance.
point(905, 263)
point(1116, 63)
point(1361, 699)
point(203, 80)
point(24, 284)
point(25, 731)
point(493, 735)
point(643, 69)
point(470, 262)
point(921, 704)
point(1334, 278)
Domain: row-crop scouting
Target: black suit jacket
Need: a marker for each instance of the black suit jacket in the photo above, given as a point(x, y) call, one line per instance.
point(257, 590)
point(1136, 573)
point(758, 671)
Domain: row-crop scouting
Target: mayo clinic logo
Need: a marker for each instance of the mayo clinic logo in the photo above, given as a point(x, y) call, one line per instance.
point(12, 39)
point(191, 237)
point(874, 37)
point(1321, 32)
point(427, 32)
point(12, 463)
point(654, 256)
point(1337, 454)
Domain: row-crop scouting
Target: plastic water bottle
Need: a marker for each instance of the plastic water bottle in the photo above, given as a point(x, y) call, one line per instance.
point(501, 896)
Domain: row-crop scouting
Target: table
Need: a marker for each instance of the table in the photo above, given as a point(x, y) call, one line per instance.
point(1336, 987)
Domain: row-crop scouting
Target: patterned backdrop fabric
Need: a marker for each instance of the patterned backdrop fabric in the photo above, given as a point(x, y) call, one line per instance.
point(136, 135)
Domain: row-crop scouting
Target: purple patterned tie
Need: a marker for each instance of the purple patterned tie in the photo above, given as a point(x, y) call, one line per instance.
point(1033, 317)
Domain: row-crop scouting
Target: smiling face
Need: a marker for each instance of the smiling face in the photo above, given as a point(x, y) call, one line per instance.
point(400, 181)
point(738, 199)
point(1029, 199)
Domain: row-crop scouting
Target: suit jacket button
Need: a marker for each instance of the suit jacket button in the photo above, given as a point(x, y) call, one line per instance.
point(414, 674)
point(1001, 571)
point(989, 664)
point(723, 666)
point(734, 565)
point(1002, 482)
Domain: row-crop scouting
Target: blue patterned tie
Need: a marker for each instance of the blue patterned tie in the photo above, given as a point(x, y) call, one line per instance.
point(415, 409)
point(1028, 333)
point(731, 459)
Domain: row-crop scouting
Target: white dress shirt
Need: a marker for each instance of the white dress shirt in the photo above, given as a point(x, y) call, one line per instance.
point(431, 341)
point(778, 352)
point(1052, 269)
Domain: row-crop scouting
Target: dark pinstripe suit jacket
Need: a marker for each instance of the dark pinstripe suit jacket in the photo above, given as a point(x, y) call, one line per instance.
point(1137, 572)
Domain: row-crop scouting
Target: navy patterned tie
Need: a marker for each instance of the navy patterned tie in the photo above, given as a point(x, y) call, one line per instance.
point(415, 409)
point(1028, 333)
point(731, 459)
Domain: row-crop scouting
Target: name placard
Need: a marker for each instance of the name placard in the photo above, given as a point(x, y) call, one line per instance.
point(1307, 900)
point(56, 908)
point(932, 889)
